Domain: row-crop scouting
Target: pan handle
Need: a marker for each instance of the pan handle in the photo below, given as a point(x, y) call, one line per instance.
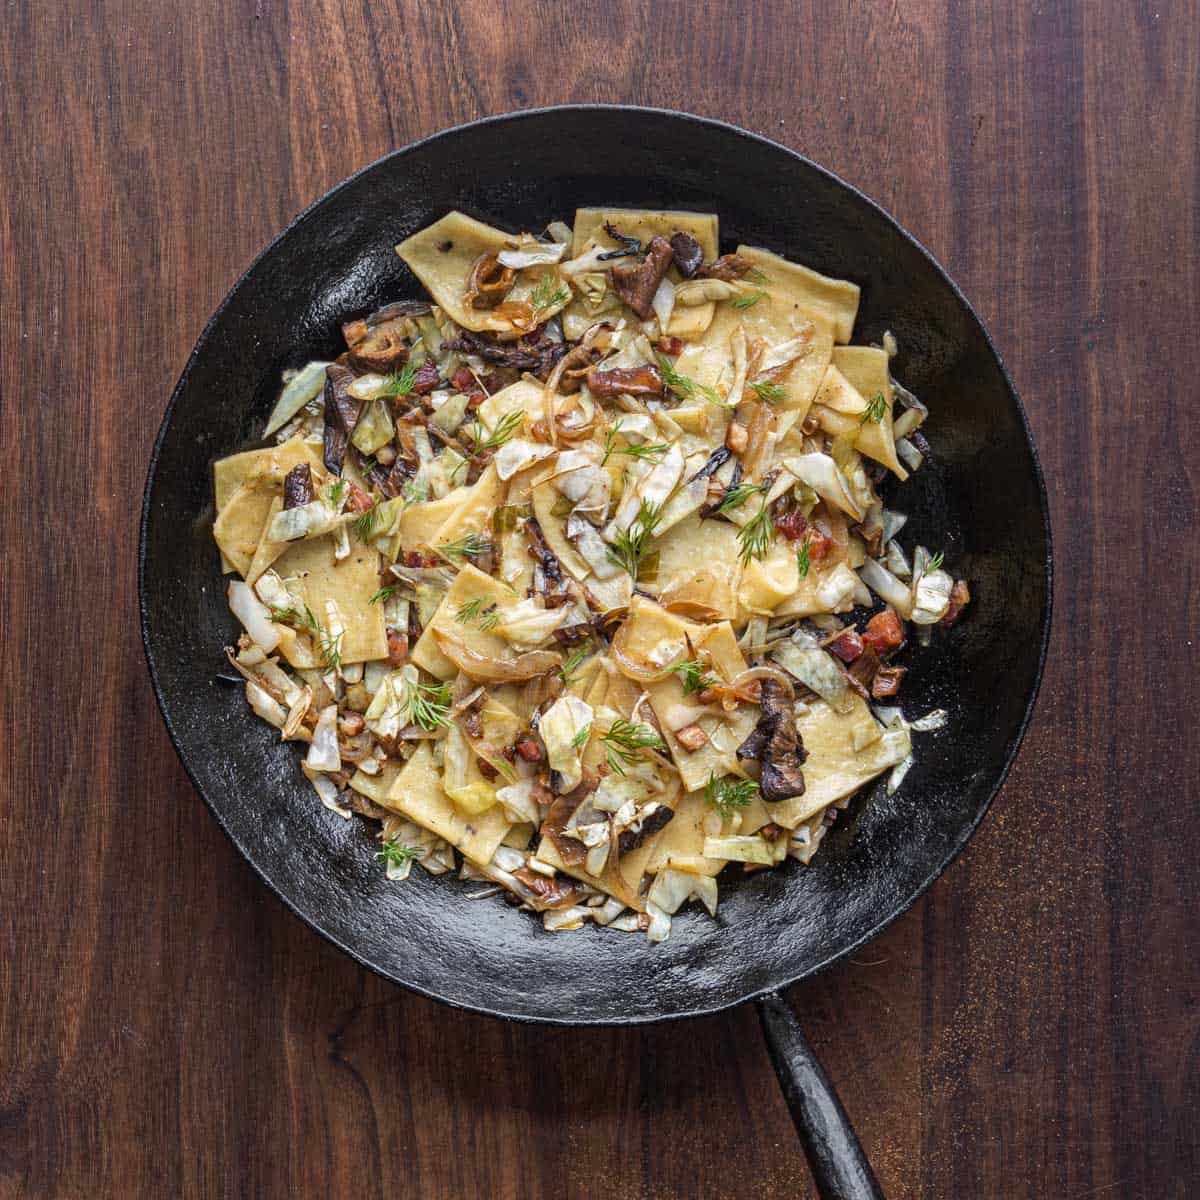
point(839, 1166)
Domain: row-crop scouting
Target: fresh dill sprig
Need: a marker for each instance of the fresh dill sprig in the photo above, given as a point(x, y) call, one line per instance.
point(330, 645)
point(728, 795)
point(736, 496)
point(567, 671)
point(803, 559)
point(754, 275)
point(506, 427)
point(652, 452)
point(385, 594)
point(625, 740)
point(630, 544)
point(875, 410)
point(337, 490)
point(748, 301)
point(415, 491)
point(693, 676)
point(367, 526)
point(548, 293)
point(475, 610)
point(684, 386)
point(366, 464)
point(765, 390)
point(581, 735)
point(756, 535)
point(284, 614)
point(395, 854)
point(935, 561)
point(401, 382)
point(426, 705)
point(472, 545)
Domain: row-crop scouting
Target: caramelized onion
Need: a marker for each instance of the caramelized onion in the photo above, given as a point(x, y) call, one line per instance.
point(486, 669)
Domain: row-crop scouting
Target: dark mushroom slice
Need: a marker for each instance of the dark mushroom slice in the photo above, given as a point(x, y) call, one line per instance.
point(629, 245)
point(559, 892)
point(687, 253)
point(716, 460)
point(489, 283)
point(656, 819)
point(298, 486)
point(775, 743)
point(570, 850)
point(729, 267)
point(540, 549)
point(341, 415)
point(636, 285)
point(645, 380)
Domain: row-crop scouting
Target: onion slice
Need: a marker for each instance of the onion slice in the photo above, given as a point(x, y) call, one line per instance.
point(485, 669)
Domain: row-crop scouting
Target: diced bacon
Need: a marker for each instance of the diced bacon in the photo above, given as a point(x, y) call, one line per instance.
point(884, 632)
point(848, 646)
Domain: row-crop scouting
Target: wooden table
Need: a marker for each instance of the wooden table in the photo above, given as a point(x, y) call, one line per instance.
point(1031, 1029)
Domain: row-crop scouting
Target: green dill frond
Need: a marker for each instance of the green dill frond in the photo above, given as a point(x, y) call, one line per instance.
point(803, 559)
point(567, 671)
point(693, 675)
point(765, 390)
point(472, 545)
point(479, 610)
point(625, 740)
point(582, 735)
point(400, 383)
point(748, 301)
point(548, 293)
point(630, 544)
point(395, 854)
point(736, 496)
point(756, 535)
point(728, 795)
point(684, 386)
point(875, 410)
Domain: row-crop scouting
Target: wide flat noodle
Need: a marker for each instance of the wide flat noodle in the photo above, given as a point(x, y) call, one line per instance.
point(469, 585)
point(350, 584)
point(865, 369)
point(845, 750)
point(835, 301)
point(643, 224)
point(474, 515)
point(698, 568)
point(415, 791)
point(442, 256)
point(264, 468)
point(240, 524)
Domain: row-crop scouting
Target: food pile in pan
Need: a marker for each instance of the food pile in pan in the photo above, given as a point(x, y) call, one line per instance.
point(565, 575)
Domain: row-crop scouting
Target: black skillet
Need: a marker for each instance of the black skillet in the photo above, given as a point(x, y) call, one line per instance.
point(981, 499)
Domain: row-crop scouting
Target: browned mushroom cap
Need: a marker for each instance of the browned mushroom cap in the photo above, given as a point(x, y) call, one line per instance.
point(341, 415)
point(775, 743)
point(489, 282)
point(652, 822)
point(383, 348)
point(570, 850)
point(687, 252)
point(298, 486)
point(559, 892)
point(637, 285)
point(357, 330)
point(728, 267)
point(634, 381)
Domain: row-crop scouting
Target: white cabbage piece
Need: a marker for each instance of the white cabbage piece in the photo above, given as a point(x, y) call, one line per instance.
point(740, 849)
point(305, 386)
point(801, 656)
point(323, 753)
point(562, 728)
point(527, 625)
point(253, 614)
point(517, 454)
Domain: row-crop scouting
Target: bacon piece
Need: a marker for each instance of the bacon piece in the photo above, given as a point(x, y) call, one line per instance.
point(848, 646)
point(884, 632)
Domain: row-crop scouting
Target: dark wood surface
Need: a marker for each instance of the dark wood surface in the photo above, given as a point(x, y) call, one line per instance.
point(1031, 1029)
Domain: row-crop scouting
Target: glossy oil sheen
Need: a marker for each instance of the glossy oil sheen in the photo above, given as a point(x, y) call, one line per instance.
point(982, 499)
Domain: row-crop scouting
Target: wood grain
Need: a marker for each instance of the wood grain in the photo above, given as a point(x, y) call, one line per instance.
point(1031, 1029)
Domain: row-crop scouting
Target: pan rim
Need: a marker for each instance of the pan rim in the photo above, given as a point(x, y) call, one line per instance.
point(964, 835)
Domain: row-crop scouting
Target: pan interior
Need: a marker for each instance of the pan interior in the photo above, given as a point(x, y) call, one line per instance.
point(981, 499)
